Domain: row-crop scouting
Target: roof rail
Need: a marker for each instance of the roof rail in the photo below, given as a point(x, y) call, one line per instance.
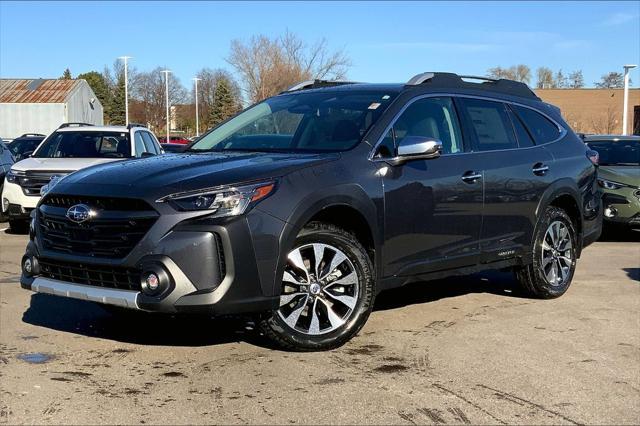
point(64, 125)
point(132, 125)
point(446, 79)
point(315, 84)
point(26, 135)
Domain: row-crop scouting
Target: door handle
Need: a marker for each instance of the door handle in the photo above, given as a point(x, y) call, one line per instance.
point(540, 169)
point(471, 176)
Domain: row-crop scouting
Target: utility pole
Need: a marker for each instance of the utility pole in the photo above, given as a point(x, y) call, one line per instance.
point(626, 97)
point(166, 85)
point(195, 81)
point(126, 89)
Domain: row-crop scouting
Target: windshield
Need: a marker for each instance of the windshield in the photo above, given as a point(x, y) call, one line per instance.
point(303, 122)
point(617, 153)
point(79, 144)
point(18, 147)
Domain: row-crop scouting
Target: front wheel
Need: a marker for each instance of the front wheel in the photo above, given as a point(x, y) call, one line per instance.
point(554, 256)
point(327, 291)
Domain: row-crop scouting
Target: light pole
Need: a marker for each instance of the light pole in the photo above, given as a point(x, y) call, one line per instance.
point(625, 103)
point(195, 81)
point(126, 89)
point(166, 85)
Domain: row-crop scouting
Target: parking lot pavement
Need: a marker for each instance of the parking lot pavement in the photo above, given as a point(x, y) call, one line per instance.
point(461, 350)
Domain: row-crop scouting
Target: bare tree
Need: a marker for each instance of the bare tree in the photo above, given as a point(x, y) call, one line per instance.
point(268, 66)
point(606, 123)
point(544, 78)
point(150, 91)
point(209, 79)
point(576, 80)
point(518, 72)
point(611, 80)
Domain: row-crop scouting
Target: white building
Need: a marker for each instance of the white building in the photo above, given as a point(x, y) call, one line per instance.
point(41, 105)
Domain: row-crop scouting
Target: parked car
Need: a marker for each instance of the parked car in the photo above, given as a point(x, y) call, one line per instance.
point(173, 147)
point(304, 207)
point(176, 140)
point(619, 177)
point(24, 145)
point(6, 160)
point(71, 147)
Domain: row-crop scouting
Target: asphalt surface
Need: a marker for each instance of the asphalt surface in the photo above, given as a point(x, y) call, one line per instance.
point(455, 351)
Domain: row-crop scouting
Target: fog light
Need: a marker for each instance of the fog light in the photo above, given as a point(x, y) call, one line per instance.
point(28, 266)
point(610, 212)
point(5, 204)
point(152, 281)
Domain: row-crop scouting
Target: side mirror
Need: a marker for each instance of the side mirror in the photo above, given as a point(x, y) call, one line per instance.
point(417, 148)
point(147, 154)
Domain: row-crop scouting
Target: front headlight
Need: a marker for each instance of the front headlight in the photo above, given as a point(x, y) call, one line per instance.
point(608, 184)
point(14, 175)
point(221, 201)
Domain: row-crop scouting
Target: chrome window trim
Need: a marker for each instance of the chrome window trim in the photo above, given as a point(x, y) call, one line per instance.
point(561, 129)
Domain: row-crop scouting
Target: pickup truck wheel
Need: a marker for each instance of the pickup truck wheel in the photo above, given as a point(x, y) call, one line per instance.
point(327, 291)
point(554, 256)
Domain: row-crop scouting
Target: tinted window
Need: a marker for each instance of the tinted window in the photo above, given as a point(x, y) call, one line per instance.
point(490, 123)
point(617, 153)
point(149, 143)
point(430, 117)
point(300, 122)
point(85, 144)
point(524, 138)
point(140, 147)
point(542, 129)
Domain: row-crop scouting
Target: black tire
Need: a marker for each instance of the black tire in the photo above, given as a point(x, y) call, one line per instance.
point(275, 328)
point(19, 226)
point(532, 278)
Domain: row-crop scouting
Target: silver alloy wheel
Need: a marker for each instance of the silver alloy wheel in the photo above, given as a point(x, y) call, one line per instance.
point(557, 253)
point(320, 289)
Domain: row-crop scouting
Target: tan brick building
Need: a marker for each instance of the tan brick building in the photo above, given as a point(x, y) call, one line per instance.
point(595, 110)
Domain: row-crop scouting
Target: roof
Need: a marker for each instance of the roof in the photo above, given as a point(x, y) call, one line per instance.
point(37, 90)
point(93, 129)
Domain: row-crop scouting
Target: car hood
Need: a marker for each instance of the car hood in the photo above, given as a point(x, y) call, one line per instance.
point(59, 164)
point(166, 174)
point(629, 175)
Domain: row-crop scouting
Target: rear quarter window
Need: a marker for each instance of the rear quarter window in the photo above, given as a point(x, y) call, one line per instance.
point(540, 127)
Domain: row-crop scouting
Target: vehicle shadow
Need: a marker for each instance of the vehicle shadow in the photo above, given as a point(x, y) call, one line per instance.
point(633, 273)
point(617, 233)
point(493, 282)
point(89, 319)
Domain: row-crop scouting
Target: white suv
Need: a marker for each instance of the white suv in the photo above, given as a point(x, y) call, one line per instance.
point(73, 146)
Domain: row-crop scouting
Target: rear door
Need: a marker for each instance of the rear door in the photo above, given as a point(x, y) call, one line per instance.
point(516, 174)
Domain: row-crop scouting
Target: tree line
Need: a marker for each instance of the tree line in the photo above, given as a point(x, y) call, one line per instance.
point(263, 66)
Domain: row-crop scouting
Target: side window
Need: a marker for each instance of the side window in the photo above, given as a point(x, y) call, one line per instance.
point(140, 148)
point(430, 117)
point(149, 143)
point(524, 138)
point(542, 129)
point(491, 124)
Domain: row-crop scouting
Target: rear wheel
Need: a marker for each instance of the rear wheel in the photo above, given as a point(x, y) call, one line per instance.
point(327, 291)
point(554, 256)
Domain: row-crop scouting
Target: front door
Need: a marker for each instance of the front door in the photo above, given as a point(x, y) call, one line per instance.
point(433, 207)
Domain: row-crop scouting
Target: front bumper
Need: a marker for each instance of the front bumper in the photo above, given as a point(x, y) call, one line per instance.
point(15, 203)
point(622, 206)
point(186, 252)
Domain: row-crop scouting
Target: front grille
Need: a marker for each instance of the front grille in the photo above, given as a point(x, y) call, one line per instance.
point(32, 182)
point(94, 275)
point(117, 228)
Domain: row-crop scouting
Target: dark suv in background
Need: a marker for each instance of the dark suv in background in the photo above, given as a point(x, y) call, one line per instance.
point(304, 207)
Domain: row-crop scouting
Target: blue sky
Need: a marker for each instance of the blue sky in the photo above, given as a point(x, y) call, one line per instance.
point(387, 41)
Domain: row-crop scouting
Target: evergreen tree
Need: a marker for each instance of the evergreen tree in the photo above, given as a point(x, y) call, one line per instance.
point(224, 104)
point(117, 108)
point(66, 75)
point(560, 81)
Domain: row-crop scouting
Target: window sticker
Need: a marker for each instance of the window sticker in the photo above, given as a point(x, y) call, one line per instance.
point(374, 105)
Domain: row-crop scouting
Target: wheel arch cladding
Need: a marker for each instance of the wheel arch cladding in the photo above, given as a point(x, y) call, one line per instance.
point(564, 194)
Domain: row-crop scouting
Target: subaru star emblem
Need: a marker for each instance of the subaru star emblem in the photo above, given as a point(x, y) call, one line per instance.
point(79, 213)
